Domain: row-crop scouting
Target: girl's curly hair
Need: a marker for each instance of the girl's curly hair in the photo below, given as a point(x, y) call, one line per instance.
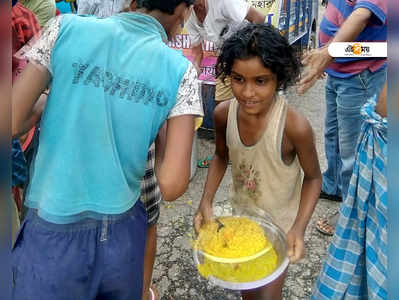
point(263, 41)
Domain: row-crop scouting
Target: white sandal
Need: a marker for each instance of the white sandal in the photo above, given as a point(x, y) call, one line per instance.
point(152, 294)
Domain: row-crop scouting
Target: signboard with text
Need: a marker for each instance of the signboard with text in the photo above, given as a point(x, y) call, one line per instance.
point(270, 8)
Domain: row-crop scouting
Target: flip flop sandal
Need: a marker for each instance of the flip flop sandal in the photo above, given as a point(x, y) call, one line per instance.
point(204, 163)
point(154, 294)
point(324, 227)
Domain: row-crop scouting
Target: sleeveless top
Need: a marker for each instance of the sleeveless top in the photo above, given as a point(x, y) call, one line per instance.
point(107, 101)
point(263, 185)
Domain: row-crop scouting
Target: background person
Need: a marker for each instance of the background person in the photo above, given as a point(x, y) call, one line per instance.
point(350, 83)
point(215, 21)
point(357, 264)
point(102, 8)
point(43, 9)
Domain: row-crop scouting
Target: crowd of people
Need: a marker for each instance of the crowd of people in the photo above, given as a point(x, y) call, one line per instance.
point(103, 110)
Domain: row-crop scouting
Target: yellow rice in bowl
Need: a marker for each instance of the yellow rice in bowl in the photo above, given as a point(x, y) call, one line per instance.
point(239, 237)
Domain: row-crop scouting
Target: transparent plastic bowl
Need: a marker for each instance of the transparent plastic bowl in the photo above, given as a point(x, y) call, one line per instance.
point(276, 236)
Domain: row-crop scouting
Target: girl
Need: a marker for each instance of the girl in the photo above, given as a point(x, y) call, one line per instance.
point(275, 169)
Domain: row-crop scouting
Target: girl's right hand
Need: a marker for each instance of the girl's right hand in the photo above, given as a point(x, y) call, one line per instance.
point(203, 215)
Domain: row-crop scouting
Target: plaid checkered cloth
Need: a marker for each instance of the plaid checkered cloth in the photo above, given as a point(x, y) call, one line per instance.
point(19, 167)
point(150, 193)
point(356, 264)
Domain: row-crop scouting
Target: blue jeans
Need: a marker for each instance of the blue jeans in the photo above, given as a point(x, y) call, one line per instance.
point(89, 260)
point(344, 100)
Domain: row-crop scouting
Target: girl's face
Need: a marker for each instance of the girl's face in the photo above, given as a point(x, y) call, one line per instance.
point(253, 85)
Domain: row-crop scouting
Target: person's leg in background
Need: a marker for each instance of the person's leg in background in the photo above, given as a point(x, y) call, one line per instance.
point(353, 93)
point(149, 292)
point(332, 176)
point(332, 180)
point(15, 222)
point(151, 197)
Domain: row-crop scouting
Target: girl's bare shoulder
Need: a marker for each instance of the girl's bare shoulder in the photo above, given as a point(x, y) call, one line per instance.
point(297, 127)
point(221, 113)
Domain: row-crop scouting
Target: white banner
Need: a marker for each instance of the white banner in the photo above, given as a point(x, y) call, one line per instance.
point(358, 49)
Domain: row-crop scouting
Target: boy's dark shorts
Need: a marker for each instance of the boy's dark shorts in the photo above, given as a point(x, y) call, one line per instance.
point(89, 259)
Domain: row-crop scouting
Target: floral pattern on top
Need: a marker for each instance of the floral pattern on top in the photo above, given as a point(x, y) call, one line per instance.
point(39, 49)
point(247, 179)
point(188, 100)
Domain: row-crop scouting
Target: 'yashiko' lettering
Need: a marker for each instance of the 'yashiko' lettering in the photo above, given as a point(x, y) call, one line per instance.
point(78, 70)
point(96, 77)
point(115, 83)
point(150, 96)
point(134, 91)
point(161, 99)
point(112, 84)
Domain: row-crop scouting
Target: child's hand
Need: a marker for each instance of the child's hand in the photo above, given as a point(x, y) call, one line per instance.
point(202, 216)
point(295, 244)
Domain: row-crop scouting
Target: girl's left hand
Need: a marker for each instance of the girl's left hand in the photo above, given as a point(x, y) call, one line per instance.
point(295, 245)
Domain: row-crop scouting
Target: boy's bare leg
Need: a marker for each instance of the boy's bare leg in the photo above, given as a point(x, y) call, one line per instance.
point(271, 291)
point(14, 221)
point(149, 259)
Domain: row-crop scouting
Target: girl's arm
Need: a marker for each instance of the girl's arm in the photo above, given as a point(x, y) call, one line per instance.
point(300, 133)
point(25, 93)
point(217, 167)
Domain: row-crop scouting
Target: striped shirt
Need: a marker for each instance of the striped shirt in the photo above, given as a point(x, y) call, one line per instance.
point(336, 13)
point(19, 167)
